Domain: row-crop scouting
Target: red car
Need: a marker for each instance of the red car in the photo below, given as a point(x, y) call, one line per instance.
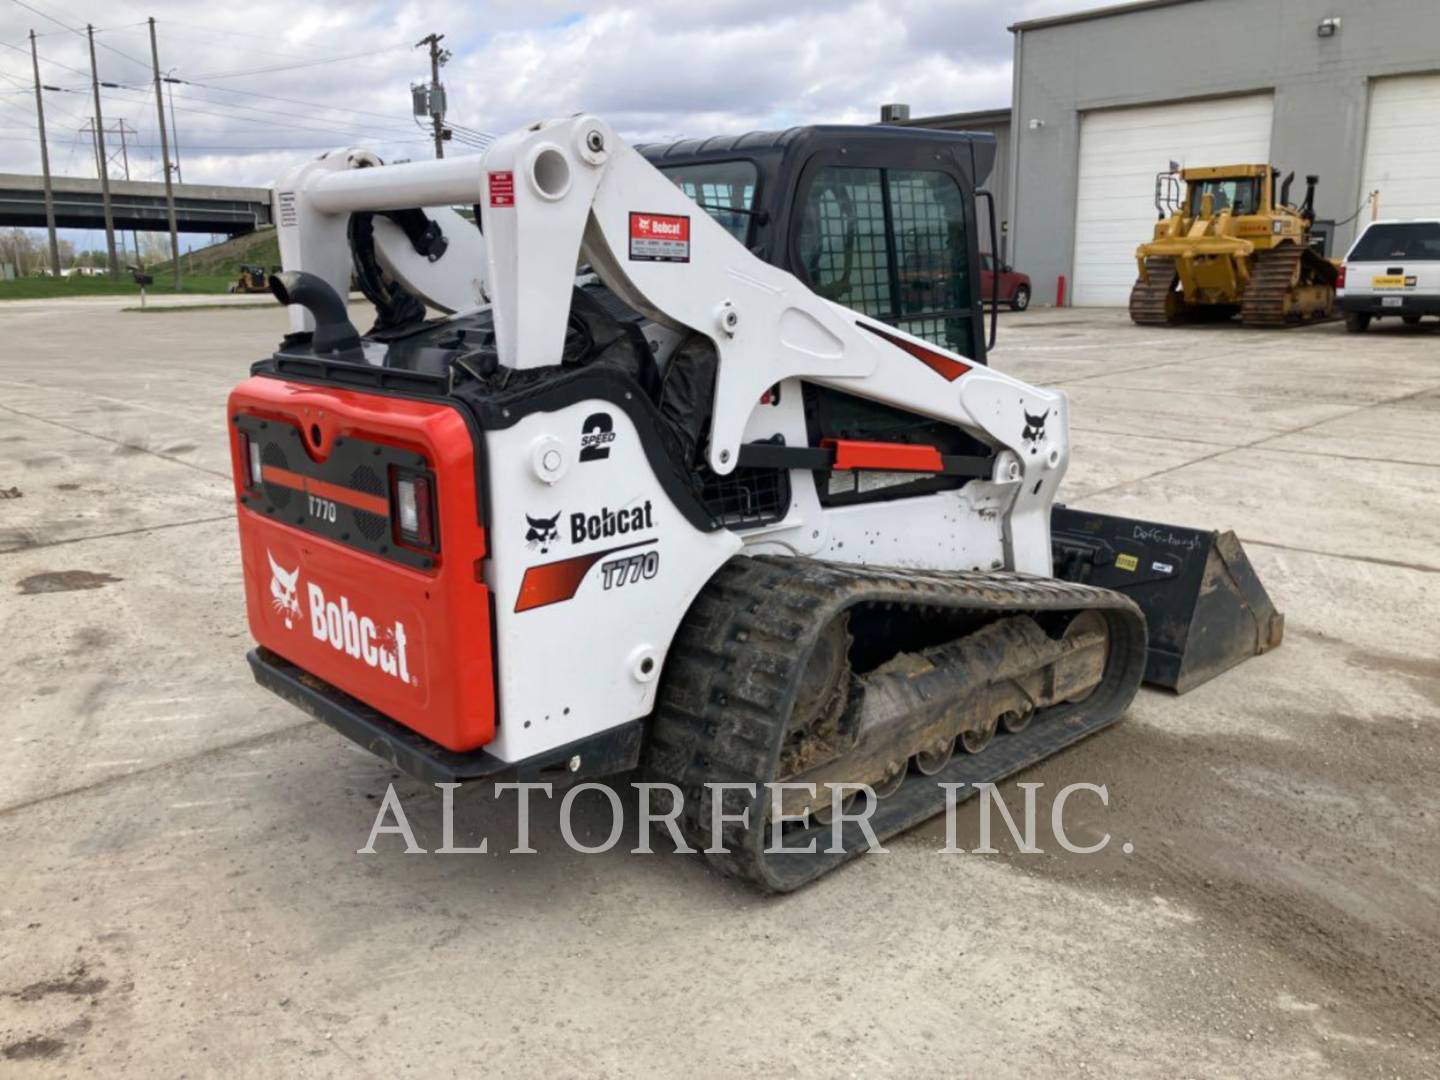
point(1014, 288)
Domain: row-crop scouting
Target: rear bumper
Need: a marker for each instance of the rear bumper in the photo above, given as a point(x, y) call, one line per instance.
point(1371, 304)
point(605, 754)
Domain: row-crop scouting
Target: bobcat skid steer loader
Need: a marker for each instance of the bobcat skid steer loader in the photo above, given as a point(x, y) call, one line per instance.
point(740, 501)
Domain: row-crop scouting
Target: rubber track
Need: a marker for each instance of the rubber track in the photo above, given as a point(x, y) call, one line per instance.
point(1148, 300)
point(733, 670)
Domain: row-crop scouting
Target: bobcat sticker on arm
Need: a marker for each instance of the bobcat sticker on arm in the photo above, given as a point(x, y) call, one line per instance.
point(1034, 431)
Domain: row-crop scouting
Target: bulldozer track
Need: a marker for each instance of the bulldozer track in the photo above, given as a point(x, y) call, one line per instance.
point(1269, 295)
point(732, 676)
point(1265, 302)
point(1153, 302)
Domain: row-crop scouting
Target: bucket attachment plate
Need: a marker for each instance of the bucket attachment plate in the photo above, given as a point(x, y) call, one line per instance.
point(1204, 604)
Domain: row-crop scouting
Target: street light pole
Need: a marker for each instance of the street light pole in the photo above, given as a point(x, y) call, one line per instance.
point(174, 127)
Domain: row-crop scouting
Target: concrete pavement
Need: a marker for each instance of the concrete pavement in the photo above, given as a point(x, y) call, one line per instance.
point(182, 894)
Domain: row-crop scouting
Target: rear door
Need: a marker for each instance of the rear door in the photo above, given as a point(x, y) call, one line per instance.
point(1393, 260)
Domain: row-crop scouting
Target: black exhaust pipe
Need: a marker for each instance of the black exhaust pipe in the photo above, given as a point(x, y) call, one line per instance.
point(334, 332)
point(1285, 188)
point(1307, 208)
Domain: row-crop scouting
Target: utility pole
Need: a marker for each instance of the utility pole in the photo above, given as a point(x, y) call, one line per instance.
point(165, 158)
point(45, 163)
point(436, 97)
point(100, 146)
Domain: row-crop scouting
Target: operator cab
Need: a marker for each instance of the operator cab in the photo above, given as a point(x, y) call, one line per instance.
point(876, 218)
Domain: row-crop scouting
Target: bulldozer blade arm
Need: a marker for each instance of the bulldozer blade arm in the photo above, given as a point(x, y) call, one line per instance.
point(1204, 604)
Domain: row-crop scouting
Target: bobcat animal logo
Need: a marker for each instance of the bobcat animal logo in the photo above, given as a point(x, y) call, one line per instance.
point(543, 532)
point(283, 591)
point(1034, 429)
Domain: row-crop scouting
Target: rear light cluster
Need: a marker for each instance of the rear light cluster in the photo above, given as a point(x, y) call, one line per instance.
point(250, 462)
point(412, 502)
point(1340, 277)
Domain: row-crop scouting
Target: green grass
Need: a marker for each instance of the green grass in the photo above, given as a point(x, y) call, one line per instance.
point(165, 309)
point(46, 288)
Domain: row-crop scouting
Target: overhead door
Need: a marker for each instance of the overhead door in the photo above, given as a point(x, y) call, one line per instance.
point(1121, 150)
point(1402, 146)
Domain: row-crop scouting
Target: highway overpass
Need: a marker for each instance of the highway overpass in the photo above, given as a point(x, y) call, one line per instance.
point(136, 205)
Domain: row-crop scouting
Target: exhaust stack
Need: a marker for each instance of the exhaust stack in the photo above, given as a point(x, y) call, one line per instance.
point(334, 332)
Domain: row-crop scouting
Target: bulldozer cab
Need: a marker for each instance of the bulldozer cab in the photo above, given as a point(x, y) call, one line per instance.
point(880, 219)
point(1240, 195)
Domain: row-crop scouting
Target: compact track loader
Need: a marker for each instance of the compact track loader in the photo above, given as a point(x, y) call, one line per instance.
point(741, 502)
point(1232, 245)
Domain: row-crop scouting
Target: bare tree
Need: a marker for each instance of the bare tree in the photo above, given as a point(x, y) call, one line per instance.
point(18, 248)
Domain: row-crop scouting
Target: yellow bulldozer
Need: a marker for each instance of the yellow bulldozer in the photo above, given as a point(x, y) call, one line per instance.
point(1229, 243)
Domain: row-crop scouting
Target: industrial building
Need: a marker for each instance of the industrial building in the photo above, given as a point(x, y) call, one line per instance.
point(1105, 99)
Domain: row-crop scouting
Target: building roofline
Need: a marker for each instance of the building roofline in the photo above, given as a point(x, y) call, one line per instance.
point(979, 116)
point(1095, 13)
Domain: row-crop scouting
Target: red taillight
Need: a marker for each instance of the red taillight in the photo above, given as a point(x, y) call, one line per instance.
point(412, 508)
point(1340, 277)
point(250, 467)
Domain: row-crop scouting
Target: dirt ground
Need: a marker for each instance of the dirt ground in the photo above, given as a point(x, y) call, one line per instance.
point(182, 893)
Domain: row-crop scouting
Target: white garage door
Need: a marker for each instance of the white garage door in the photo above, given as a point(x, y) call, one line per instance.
point(1402, 146)
point(1121, 150)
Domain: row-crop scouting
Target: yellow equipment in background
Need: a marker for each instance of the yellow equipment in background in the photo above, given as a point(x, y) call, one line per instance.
point(1231, 247)
point(251, 279)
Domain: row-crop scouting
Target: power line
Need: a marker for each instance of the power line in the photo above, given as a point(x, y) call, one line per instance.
point(292, 67)
point(225, 149)
point(52, 63)
point(268, 112)
point(77, 30)
point(342, 133)
point(293, 101)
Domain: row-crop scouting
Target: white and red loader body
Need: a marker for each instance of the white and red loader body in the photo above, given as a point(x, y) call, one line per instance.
point(536, 612)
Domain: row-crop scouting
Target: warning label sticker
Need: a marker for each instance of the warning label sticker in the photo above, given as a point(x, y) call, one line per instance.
point(659, 237)
point(502, 188)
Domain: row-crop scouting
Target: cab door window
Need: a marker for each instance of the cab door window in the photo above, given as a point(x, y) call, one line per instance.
point(933, 299)
point(843, 244)
point(891, 243)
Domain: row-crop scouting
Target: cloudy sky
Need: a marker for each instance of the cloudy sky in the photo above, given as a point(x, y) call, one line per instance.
point(267, 81)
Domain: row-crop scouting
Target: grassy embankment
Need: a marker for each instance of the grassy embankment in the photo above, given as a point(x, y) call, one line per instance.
point(209, 270)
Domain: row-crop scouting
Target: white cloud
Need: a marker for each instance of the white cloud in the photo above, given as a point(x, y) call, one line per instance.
point(654, 70)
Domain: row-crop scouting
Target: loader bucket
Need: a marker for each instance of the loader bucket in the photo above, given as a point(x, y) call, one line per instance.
point(1203, 602)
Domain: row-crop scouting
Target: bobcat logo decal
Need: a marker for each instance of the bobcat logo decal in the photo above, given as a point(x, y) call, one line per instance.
point(1034, 431)
point(282, 591)
point(543, 532)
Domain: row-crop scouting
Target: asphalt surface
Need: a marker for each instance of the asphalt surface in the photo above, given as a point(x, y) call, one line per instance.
point(181, 891)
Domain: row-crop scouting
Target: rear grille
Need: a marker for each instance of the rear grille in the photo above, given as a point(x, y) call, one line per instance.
point(321, 497)
point(371, 526)
point(365, 479)
point(273, 456)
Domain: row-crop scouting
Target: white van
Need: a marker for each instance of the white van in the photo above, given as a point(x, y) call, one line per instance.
point(1392, 269)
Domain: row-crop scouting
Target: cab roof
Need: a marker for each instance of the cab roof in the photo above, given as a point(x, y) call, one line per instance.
point(798, 141)
point(1224, 172)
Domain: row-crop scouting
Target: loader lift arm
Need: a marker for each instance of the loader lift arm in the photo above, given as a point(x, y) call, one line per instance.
point(566, 192)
